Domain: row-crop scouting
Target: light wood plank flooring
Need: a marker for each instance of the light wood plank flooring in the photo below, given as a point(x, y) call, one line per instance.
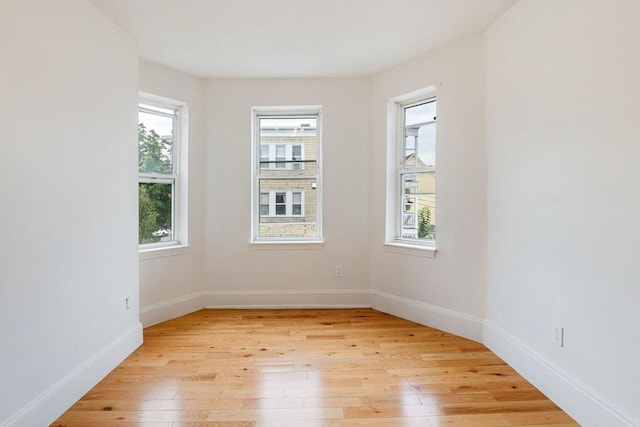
point(309, 368)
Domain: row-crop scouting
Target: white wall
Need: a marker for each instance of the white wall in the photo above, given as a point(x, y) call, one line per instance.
point(237, 273)
point(563, 177)
point(68, 250)
point(171, 286)
point(445, 291)
point(563, 126)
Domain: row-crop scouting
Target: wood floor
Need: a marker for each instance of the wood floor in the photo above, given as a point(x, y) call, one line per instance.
point(309, 368)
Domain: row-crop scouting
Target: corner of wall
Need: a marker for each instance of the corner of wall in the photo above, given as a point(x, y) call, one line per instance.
point(47, 406)
point(579, 401)
point(155, 313)
point(450, 321)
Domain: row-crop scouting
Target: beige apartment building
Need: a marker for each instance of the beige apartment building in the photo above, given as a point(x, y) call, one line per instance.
point(288, 181)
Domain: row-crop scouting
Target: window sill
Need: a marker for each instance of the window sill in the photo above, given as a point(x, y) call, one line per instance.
point(407, 249)
point(287, 245)
point(164, 251)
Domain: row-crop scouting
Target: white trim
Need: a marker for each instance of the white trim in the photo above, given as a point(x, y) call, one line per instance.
point(46, 407)
point(578, 400)
point(170, 249)
point(170, 309)
point(434, 316)
point(319, 298)
point(312, 111)
point(290, 245)
point(395, 158)
point(426, 251)
point(581, 402)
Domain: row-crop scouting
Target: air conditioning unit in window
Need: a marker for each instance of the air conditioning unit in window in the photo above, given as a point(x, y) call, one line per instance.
point(297, 165)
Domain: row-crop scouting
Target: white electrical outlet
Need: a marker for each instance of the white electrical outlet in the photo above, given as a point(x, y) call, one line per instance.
point(126, 303)
point(338, 271)
point(558, 336)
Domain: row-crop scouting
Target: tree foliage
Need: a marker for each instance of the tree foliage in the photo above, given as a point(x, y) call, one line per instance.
point(154, 199)
point(147, 216)
point(154, 152)
point(425, 227)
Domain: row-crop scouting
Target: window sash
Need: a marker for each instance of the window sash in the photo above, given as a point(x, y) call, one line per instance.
point(174, 113)
point(300, 162)
point(409, 224)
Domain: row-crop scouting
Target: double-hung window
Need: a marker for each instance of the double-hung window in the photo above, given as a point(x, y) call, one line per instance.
point(286, 174)
point(412, 199)
point(161, 186)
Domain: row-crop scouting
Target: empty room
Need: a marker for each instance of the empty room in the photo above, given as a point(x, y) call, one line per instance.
point(337, 213)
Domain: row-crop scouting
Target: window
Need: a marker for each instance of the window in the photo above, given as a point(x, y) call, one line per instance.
point(286, 176)
point(285, 203)
point(160, 168)
point(412, 211)
point(281, 156)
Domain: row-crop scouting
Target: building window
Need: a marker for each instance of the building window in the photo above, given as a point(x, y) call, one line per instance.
point(413, 194)
point(264, 204)
point(160, 183)
point(281, 203)
point(281, 156)
point(286, 147)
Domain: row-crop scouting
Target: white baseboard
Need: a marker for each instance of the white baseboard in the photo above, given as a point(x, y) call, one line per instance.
point(329, 298)
point(46, 407)
point(170, 309)
point(579, 401)
point(430, 315)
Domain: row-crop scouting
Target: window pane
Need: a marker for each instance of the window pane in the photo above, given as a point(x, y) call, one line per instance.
point(264, 156)
point(155, 208)
point(155, 143)
point(292, 180)
point(264, 203)
point(281, 155)
point(420, 136)
point(295, 142)
point(420, 113)
point(296, 152)
point(281, 207)
point(418, 206)
point(289, 219)
point(296, 204)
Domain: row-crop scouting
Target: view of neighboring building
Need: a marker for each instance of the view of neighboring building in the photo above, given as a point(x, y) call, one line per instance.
point(418, 173)
point(287, 181)
point(419, 202)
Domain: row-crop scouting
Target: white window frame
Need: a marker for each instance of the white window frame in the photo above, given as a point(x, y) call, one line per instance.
point(178, 178)
point(314, 111)
point(396, 170)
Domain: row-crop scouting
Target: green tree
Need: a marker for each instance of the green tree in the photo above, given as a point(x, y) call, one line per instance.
point(154, 152)
point(425, 228)
point(147, 216)
point(155, 199)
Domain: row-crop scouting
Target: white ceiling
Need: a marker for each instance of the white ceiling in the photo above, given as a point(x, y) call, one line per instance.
point(295, 38)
